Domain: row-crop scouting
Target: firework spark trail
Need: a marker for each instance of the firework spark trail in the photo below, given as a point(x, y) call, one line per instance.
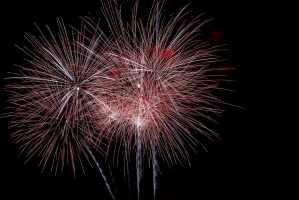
point(155, 170)
point(128, 169)
point(138, 163)
point(157, 22)
point(155, 161)
point(100, 169)
point(60, 65)
point(112, 177)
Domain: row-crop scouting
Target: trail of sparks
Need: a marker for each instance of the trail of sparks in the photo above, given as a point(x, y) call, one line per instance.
point(128, 170)
point(138, 163)
point(112, 178)
point(101, 170)
point(155, 170)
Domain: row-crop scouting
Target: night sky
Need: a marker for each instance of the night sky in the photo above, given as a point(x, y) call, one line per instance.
point(235, 167)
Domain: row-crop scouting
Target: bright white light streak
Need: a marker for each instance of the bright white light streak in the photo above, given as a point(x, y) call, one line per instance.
point(60, 65)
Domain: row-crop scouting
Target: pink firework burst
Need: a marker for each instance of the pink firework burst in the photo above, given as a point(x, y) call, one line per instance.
point(160, 83)
point(161, 86)
point(52, 100)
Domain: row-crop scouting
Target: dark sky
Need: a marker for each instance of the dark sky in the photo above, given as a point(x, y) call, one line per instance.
point(235, 167)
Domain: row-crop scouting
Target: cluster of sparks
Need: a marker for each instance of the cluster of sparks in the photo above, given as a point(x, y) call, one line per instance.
point(142, 88)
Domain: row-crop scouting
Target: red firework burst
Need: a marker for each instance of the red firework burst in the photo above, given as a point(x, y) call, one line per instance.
point(51, 98)
point(160, 84)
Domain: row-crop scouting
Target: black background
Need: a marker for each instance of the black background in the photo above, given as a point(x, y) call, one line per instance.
point(244, 164)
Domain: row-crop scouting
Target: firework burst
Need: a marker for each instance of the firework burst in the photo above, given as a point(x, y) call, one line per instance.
point(160, 83)
point(161, 87)
point(147, 88)
point(51, 99)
